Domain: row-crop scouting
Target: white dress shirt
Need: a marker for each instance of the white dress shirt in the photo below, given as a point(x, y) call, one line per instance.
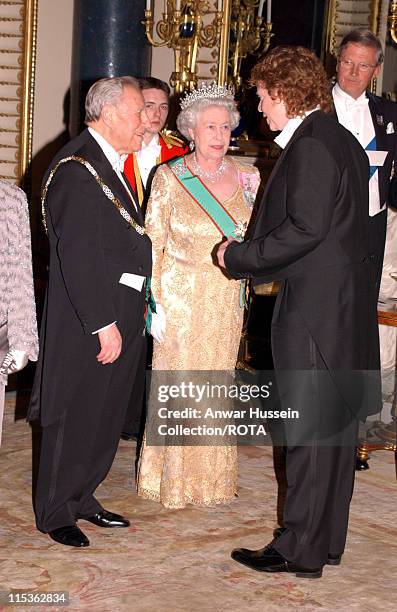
point(147, 157)
point(116, 161)
point(355, 116)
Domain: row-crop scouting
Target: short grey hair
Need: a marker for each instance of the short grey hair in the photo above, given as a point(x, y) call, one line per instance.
point(187, 118)
point(365, 37)
point(106, 91)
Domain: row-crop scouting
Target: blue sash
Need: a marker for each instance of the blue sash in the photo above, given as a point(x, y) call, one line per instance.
point(371, 146)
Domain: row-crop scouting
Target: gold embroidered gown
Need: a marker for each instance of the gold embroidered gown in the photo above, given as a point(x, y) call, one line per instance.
point(204, 321)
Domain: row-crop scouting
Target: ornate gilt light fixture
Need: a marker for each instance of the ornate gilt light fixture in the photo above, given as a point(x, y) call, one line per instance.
point(393, 21)
point(236, 29)
point(183, 29)
point(248, 32)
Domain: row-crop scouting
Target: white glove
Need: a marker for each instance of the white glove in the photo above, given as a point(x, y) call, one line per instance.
point(14, 361)
point(157, 328)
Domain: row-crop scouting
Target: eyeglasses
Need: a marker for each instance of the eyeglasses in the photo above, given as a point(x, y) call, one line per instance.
point(361, 66)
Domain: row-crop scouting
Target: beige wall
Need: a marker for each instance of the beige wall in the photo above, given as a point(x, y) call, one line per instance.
point(53, 67)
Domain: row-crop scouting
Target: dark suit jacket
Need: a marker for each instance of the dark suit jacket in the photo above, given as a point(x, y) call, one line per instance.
point(311, 232)
point(91, 246)
point(384, 114)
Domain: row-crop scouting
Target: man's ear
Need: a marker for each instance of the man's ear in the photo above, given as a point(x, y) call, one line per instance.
point(376, 71)
point(107, 115)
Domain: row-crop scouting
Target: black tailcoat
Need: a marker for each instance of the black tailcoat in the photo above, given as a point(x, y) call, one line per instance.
point(91, 246)
point(384, 118)
point(311, 232)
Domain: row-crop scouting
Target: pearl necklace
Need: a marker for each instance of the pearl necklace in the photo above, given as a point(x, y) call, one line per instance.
point(212, 177)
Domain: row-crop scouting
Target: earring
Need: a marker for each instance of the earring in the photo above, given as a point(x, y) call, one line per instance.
point(191, 145)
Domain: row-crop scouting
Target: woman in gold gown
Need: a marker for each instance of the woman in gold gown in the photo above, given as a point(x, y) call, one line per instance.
point(199, 320)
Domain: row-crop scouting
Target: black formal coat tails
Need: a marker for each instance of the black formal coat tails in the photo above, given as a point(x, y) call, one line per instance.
point(311, 233)
point(82, 403)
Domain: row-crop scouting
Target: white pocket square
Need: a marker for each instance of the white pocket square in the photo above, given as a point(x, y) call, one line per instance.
point(390, 128)
point(132, 280)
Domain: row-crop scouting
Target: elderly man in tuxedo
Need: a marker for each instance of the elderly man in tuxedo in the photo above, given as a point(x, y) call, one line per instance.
point(92, 329)
point(373, 121)
point(311, 233)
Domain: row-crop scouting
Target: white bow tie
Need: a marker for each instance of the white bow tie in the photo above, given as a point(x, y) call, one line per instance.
point(118, 164)
point(352, 104)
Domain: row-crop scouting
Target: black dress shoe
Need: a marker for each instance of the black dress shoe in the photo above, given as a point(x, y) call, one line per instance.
point(332, 559)
point(70, 535)
point(279, 531)
point(268, 559)
point(107, 519)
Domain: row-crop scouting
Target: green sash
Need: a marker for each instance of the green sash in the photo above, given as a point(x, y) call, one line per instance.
point(224, 222)
point(209, 204)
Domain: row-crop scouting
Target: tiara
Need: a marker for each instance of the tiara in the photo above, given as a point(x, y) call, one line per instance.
point(208, 92)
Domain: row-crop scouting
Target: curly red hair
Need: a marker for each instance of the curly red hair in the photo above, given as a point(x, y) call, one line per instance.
point(296, 76)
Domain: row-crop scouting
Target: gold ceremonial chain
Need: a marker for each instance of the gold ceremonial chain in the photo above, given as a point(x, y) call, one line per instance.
point(109, 194)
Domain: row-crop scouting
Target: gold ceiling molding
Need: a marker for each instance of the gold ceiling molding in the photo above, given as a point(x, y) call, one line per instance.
point(18, 31)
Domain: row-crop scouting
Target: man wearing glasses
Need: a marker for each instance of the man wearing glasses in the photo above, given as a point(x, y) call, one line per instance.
point(373, 121)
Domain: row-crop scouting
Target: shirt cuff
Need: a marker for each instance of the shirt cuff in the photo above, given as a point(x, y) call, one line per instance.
point(102, 328)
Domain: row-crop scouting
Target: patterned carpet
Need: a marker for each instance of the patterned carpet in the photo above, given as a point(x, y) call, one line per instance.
point(171, 561)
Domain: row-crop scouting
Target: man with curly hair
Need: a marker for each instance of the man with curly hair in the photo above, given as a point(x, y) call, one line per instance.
point(311, 233)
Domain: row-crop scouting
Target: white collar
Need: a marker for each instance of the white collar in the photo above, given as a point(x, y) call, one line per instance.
point(348, 101)
point(290, 128)
point(115, 160)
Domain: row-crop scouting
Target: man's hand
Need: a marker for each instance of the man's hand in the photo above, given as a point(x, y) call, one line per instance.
point(221, 251)
point(111, 343)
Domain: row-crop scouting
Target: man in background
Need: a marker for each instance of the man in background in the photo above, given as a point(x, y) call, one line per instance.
point(158, 146)
point(373, 121)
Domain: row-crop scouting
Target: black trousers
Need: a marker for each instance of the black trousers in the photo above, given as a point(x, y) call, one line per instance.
point(320, 470)
point(134, 421)
point(77, 450)
point(316, 509)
